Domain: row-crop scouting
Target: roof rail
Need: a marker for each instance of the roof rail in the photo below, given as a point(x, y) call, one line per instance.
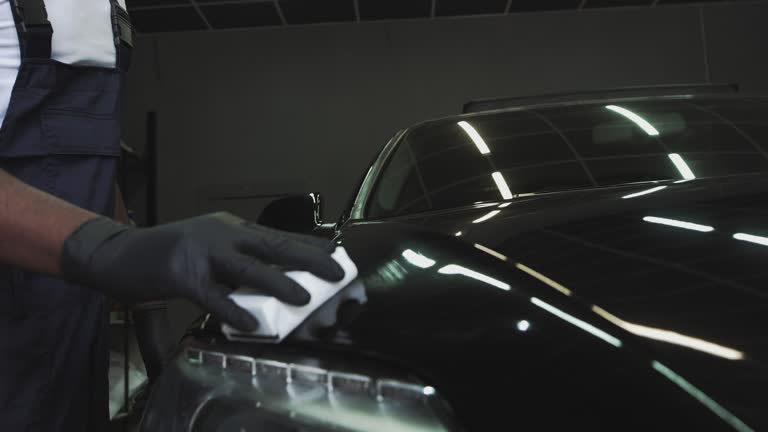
point(658, 90)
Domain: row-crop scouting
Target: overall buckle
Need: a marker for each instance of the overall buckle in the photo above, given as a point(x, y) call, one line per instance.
point(35, 31)
point(124, 34)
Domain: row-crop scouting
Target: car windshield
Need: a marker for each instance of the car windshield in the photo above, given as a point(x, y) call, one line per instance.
point(508, 154)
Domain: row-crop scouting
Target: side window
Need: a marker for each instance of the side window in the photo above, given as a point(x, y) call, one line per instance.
point(398, 188)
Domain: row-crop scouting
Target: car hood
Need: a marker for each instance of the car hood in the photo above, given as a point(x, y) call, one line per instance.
point(634, 307)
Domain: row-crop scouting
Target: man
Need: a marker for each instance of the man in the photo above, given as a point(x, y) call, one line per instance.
point(60, 76)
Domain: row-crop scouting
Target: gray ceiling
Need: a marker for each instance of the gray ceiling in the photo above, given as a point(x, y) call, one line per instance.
point(151, 16)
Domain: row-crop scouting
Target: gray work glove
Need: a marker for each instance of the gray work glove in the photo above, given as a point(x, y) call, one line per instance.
point(200, 259)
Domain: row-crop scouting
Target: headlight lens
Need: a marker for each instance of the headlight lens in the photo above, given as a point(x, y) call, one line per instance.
point(232, 392)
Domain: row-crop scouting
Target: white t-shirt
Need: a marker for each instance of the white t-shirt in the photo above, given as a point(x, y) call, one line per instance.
point(82, 36)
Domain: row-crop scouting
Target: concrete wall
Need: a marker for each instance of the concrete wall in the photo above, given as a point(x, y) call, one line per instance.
point(305, 108)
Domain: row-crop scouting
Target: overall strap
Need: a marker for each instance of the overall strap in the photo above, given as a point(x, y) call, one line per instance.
point(123, 33)
point(35, 31)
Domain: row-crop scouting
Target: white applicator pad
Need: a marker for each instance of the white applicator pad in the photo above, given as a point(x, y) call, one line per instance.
point(277, 319)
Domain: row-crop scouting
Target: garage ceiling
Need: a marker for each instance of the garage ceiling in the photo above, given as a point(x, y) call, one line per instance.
point(152, 16)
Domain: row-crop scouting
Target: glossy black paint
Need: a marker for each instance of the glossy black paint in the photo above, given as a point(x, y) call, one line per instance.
point(575, 311)
point(462, 333)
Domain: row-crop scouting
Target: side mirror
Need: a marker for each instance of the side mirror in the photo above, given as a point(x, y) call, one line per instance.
point(294, 213)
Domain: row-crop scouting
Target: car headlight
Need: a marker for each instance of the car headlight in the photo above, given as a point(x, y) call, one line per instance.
point(237, 393)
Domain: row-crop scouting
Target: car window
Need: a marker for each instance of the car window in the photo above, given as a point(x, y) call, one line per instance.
point(506, 154)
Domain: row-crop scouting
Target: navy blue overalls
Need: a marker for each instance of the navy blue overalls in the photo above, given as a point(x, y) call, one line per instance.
point(61, 135)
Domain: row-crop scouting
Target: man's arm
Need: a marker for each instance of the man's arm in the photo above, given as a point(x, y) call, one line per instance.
point(34, 225)
point(153, 330)
point(200, 259)
point(121, 211)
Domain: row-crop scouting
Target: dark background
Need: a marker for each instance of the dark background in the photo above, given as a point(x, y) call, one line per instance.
point(304, 107)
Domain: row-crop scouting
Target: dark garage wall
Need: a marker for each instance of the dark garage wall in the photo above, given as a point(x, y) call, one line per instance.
point(305, 108)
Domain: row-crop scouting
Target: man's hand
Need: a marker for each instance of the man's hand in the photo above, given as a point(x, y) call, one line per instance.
point(201, 259)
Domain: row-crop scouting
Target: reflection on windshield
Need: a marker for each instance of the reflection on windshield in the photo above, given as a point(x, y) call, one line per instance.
point(475, 137)
point(682, 167)
point(639, 121)
point(453, 162)
point(502, 185)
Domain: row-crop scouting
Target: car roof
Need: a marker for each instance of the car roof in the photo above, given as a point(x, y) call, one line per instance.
point(678, 90)
point(593, 99)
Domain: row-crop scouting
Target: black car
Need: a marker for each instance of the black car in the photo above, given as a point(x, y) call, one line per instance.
point(591, 264)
